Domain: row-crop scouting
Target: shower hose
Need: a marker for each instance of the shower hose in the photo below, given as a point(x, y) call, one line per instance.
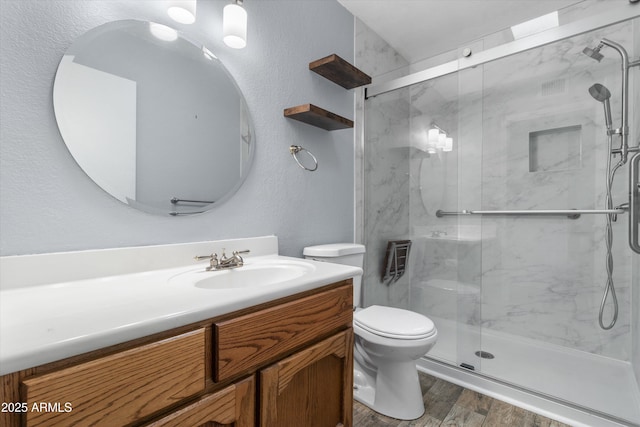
point(609, 287)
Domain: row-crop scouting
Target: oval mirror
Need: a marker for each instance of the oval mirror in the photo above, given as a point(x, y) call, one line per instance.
point(152, 118)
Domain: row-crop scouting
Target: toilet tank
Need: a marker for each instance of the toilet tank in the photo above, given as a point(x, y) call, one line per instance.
point(340, 253)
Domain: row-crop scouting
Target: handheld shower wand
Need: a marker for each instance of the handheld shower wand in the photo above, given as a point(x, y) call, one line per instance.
point(602, 94)
point(623, 131)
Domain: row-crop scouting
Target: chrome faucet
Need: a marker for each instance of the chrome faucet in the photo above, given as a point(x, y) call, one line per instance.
point(234, 261)
point(223, 263)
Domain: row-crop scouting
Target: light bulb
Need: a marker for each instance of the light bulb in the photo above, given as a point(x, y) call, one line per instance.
point(234, 26)
point(182, 11)
point(432, 140)
point(448, 144)
point(163, 32)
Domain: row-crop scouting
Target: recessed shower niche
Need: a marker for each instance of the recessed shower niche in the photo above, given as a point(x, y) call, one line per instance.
point(558, 149)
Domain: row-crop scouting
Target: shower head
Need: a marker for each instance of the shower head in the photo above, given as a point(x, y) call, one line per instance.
point(594, 53)
point(602, 94)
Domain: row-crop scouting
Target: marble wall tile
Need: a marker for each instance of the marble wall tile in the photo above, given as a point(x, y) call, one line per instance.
point(382, 172)
point(543, 278)
point(386, 194)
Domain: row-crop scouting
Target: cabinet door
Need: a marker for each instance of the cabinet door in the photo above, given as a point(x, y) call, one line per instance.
point(233, 405)
point(312, 388)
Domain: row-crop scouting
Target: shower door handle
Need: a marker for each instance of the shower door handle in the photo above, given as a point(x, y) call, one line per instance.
point(634, 202)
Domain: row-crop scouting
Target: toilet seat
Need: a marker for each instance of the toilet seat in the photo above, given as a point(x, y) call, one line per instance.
point(396, 323)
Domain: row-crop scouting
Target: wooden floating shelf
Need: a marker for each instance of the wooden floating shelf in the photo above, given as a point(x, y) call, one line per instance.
point(319, 117)
point(340, 72)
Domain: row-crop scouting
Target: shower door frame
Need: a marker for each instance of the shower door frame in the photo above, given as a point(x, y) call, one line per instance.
point(612, 17)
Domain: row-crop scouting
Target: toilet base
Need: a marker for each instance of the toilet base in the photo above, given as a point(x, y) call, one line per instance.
point(394, 392)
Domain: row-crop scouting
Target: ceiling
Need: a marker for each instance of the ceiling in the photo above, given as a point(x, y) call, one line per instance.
point(420, 29)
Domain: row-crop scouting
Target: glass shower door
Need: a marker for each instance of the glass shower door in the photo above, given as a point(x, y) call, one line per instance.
point(544, 146)
point(444, 158)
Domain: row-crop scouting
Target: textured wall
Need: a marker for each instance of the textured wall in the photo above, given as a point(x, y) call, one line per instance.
point(48, 204)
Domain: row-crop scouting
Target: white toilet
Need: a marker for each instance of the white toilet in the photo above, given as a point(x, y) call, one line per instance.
point(388, 341)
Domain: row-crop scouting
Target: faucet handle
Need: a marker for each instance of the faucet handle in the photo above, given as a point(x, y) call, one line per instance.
point(214, 260)
point(246, 251)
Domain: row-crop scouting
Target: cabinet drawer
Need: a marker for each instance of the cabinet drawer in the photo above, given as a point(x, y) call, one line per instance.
point(123, 387)
point(232, 405)
point(246, 342)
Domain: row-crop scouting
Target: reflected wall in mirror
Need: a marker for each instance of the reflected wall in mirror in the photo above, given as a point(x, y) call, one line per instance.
point(158, 123)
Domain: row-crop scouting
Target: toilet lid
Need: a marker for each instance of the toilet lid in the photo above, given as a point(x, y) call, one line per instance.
point(394, 322)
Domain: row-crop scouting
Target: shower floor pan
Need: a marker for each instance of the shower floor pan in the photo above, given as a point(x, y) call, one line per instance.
point(575, 378)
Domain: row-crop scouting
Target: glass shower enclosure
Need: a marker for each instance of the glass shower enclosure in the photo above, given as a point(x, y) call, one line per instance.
point(515, 292)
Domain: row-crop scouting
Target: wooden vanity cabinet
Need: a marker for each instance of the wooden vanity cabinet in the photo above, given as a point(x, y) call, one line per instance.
point(283, 363)
point(306, 382)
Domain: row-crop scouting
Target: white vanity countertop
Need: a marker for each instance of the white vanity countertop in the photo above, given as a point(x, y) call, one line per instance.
point(49, 322)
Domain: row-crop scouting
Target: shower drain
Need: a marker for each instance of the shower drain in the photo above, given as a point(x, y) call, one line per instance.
point(484, 354)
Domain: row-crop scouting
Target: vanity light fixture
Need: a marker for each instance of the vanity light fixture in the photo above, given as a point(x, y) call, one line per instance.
point(448, 145)
point(437, 139)
point(163, 32)
point(182, 11)
point(234, 25)
point(432, 140)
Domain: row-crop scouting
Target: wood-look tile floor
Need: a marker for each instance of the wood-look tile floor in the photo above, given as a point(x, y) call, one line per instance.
point(447, 404)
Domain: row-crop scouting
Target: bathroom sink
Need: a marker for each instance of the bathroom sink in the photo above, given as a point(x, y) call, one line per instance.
point(250, 275)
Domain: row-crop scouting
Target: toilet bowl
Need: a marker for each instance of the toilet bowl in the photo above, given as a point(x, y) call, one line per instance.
point(388, 342)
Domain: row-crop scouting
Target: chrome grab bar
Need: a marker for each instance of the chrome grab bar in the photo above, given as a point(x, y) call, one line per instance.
point(634, 202)
point(174, 213)
point(570, 213)
point(175, 201)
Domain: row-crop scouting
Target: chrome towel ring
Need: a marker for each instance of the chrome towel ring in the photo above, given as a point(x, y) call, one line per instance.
point(295, 149)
